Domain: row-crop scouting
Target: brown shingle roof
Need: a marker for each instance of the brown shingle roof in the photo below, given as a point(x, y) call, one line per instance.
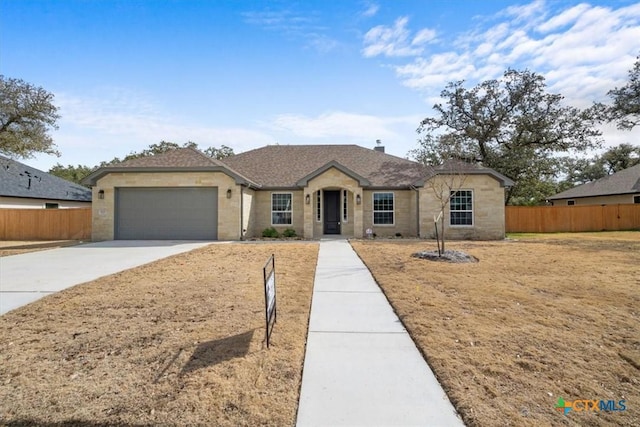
point(285, 165)
point(178, 158)
point(289, 166)
point(624, 182)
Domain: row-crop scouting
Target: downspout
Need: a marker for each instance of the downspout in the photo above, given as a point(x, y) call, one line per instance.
point(417, 208)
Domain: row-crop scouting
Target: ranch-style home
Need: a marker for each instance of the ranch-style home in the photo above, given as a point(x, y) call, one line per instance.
point(315, 190)
point(24, 187)
point(622, 187)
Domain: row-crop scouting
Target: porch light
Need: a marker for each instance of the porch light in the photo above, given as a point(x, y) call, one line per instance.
point(358, 199)
point(101, 194)
point(307, 199)
point(229, 193)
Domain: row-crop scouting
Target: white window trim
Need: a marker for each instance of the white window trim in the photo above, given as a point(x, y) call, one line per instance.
point(373, 211)
point(271, 211)
point(473, 210)
point(345, 206)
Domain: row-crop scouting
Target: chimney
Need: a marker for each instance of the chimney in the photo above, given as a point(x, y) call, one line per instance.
point(379, 147)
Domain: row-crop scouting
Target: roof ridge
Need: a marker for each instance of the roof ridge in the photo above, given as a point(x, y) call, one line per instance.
point(209, 158)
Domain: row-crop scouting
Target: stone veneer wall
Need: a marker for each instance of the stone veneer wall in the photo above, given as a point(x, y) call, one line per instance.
point(333, 179)
point(405, 214)
point(103, 210)
point(262, 216)
point(488, 209)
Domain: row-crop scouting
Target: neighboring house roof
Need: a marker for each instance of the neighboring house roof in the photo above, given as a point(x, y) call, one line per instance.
point(20, 180)
point(290, 165)
point(178, 160)
point(626, 181)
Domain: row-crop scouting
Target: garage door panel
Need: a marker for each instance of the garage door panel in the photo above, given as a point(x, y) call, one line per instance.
point(174, 213)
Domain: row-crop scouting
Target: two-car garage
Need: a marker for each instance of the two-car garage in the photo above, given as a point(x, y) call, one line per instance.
point(166, 213)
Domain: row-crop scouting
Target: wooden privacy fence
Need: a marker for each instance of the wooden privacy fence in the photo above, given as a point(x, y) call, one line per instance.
point(45, 224)
point(551, 219)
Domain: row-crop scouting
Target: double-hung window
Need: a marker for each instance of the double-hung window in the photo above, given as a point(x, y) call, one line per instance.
point(461, 207)
point(281, 211)
point(383, 209)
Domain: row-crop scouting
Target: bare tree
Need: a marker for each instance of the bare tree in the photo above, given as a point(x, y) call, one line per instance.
point(446, 181)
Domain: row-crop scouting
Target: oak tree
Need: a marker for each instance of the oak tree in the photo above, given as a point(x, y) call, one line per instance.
point(512, 125)
point(27, 114)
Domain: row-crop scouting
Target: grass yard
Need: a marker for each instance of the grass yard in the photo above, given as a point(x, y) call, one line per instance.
point(536, 319)
point(176, 342)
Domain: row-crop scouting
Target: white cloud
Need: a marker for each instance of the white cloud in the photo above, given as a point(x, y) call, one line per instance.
point(396, 40)
point(112, 122)
point(425, 35)
point(583, 51)
point(340, 126)
point(565, 18)
point(570, 47)
point(294, 25)
point(371, 10)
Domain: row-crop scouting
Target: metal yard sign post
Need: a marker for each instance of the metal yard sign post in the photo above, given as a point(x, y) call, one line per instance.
point(269, 274)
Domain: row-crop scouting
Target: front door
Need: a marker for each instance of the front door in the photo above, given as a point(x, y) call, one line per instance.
point(331, 212)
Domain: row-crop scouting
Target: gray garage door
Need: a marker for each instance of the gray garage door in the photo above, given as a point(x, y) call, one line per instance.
point(177, 213)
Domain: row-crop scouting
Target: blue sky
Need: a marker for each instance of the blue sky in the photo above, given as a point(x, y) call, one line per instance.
point(127, 74)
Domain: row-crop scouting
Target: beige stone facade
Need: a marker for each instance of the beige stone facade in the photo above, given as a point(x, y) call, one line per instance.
point(246, 211)
point(229, 215)
point(488, 207)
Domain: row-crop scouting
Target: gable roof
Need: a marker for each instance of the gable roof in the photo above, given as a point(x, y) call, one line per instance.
point(292, 165)
point(363, 182)
point(453, 167)
point(20, 180)
point(176, 160)
point(626, 181)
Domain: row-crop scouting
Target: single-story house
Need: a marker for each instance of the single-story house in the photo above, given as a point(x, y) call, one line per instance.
point(619, 188)
point(24, 187)
point(314, 190)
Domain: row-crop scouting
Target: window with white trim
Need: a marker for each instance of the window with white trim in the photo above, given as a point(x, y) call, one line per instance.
point(345, 210)
point(461, 207)
point(281, 212)
point(571, 202)
point(383, 208)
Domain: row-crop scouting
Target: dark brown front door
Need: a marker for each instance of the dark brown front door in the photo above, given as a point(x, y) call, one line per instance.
point(331, 212)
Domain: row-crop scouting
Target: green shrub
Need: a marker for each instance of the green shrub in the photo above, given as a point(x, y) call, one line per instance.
point(270, 232)
point(289, 232)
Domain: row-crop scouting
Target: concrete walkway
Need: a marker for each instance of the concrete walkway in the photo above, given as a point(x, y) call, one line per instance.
point(28, 277)
point(361, 367)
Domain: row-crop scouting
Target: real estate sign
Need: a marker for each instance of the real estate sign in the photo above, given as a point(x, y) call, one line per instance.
point(269, 274)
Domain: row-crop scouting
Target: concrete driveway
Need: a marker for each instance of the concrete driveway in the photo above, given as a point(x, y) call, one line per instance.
point(28, 277)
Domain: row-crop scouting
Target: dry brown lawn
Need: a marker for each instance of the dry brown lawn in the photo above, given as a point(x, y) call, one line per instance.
point(536, 319)
point(176, 342)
